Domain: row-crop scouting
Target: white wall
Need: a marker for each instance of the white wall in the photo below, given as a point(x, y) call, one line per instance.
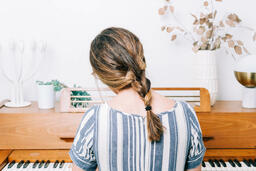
point(68, 26)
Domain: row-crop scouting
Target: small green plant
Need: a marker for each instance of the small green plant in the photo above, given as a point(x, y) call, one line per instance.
point(56, 84)
point(78, 96)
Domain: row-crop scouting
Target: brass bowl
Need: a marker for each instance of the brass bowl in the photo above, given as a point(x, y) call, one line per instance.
point(247, 79)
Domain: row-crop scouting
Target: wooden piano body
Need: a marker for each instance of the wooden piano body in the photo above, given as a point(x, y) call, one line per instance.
point(229, 132)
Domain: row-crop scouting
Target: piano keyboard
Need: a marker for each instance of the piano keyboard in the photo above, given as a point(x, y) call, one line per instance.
point(38, 165)
point(230, 165)
point(210, 165)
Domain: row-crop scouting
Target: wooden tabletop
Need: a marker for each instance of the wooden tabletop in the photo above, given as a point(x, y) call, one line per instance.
point(219, 107)
point(230, 107)
point(32, 109)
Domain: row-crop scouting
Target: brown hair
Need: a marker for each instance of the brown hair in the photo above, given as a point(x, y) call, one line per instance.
point(117, 58)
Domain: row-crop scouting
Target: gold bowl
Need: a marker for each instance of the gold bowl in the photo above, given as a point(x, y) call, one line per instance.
point(247, 79)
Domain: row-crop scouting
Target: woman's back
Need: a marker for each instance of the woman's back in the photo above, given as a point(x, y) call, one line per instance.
point(115, 140)
point(131, 132)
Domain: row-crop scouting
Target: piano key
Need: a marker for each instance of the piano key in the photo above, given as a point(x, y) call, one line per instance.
point(29, 167)
point(237, 163)
point(222, 163)
point(41, 164)
point(26, 164)
point(56, 164)
point(203, 164)
point(231, 163)
point(247, 163)
point(47, 164)
point(230, 167)
point(20, 164)
point(11, 164)
point(207, 167)
point(254, 163)
point(211, 163)
point(35, 164)
point(217, 163)
point(14, 167)
point(67, 167)
point(245, 167)
point(50, 167)
point(61, 164)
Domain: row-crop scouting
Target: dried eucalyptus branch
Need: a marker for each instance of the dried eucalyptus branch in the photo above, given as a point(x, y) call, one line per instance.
point(209, 34)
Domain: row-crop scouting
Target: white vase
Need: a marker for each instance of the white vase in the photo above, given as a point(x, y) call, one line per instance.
point(206, 72)
point(45, 96)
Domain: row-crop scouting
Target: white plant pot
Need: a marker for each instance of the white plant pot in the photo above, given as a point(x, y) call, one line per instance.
point(206, 72)
point(45, 96)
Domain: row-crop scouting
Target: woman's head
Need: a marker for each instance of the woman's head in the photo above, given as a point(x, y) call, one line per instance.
point(117, 58)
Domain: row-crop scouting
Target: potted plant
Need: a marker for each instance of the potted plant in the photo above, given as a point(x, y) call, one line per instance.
point(46, 93)
point(207, 35)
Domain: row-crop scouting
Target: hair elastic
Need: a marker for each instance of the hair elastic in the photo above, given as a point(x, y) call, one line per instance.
point(147, 108)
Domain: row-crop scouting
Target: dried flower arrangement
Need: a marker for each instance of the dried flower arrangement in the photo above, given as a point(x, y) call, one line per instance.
point(208, 32)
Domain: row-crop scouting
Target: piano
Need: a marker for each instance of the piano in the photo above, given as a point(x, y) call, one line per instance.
point(34, 139)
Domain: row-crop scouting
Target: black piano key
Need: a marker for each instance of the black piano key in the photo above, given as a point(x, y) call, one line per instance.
point(237, 163)
point(222, 163)
point(41, 164)
point(217, 163)
point(11, 164)
point(231, 163)
point(56, 164)
point(35, 164)
point(20, 164)
point(26, 164)
point(246, 162)
point(203, 164)
point(62, 164)
point(211, 163)
point(47, 164)
point(252, 163)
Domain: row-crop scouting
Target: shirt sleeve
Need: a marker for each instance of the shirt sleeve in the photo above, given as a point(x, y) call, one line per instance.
point(196, 148)
point(82, 151)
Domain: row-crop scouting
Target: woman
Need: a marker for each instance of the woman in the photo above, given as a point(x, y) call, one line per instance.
point(138, 129)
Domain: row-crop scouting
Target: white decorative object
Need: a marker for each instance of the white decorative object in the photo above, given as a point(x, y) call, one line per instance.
point(16, 52)
point(206, 72)
point(245, 72)
point(45, 96)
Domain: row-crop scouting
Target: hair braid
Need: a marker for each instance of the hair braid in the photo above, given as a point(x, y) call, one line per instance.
point(154, 125)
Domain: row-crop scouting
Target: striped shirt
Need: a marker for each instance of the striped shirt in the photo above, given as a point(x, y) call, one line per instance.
point(116, 141)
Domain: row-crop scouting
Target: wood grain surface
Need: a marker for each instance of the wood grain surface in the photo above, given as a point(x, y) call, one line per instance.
point(228, 125)
point(37, 131)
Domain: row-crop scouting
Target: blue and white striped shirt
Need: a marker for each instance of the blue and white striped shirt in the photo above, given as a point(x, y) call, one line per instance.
point(115, 141)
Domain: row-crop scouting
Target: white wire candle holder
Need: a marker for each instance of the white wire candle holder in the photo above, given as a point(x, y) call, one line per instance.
point(17, 52)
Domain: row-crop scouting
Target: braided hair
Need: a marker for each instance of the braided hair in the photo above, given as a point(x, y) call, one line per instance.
point(117, 58)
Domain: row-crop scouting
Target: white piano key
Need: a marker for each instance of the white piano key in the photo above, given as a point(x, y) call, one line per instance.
point(29, 167)
point(50, 167)
point(245, 167)
point(68, 167)
point(14, 167)
point(230, 168)
point(208, 167)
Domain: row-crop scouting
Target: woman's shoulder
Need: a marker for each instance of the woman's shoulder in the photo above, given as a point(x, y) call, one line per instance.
point(89, 116)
